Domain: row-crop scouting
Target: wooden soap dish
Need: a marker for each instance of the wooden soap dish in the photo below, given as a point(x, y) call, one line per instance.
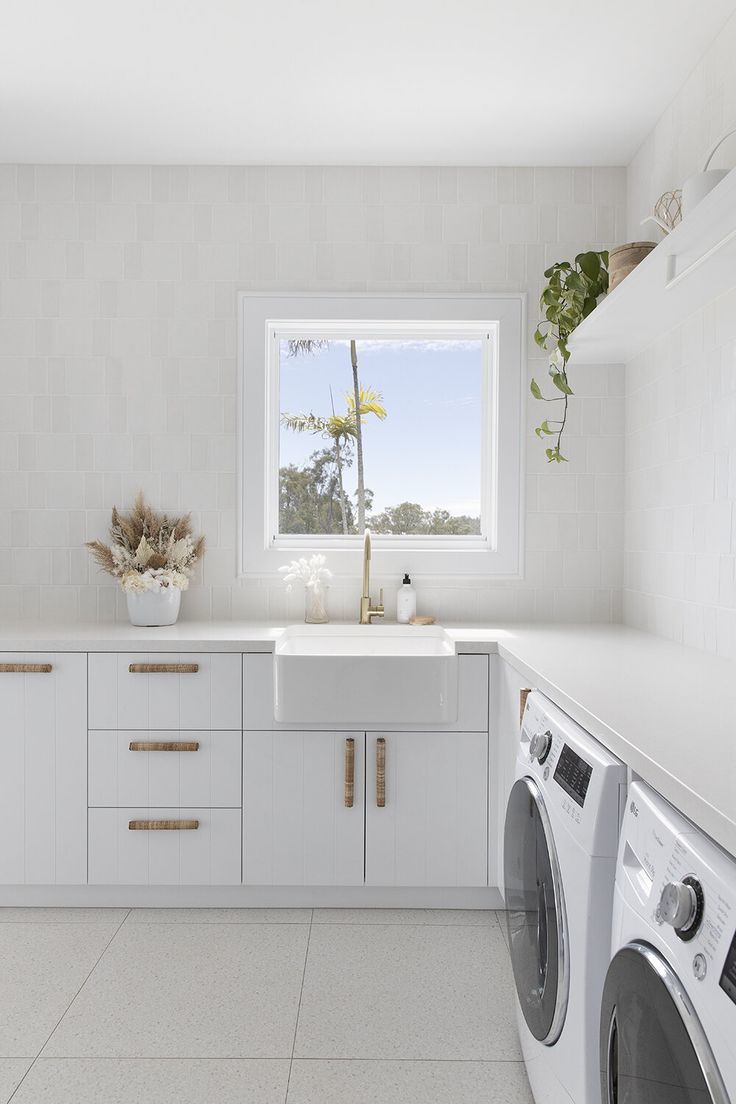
point(421, 620)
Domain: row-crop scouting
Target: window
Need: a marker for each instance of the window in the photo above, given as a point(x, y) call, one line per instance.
point(396, 413)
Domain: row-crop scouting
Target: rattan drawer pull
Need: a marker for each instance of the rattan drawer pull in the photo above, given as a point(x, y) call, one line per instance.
point(163, 745)
point(523, 695)
point(25, 668)
point(381, 772)
point(163, 668)
point(162, 825)
point(349, 772)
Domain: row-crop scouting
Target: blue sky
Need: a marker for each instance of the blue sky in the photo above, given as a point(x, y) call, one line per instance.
point(428, 448)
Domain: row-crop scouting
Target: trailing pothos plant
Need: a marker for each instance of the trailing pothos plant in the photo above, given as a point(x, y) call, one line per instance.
point(570, 295)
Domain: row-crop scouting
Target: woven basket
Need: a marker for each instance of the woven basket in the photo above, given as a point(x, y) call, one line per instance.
point(624, 259)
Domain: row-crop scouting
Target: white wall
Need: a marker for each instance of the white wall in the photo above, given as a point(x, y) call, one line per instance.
point(118, 359)
point(702, 110)
point(680, 422)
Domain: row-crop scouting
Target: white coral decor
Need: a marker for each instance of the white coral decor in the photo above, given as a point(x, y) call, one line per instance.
point(311, 572)
point(156, 580)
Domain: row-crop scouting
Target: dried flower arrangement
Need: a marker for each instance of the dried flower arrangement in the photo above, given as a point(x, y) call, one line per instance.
point(315, 575)
point(312, 572)
point(148, 551)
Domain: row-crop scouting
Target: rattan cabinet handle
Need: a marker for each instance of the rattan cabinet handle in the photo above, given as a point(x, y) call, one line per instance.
point(162, 825)
point(349, 772)
point(381, 772)
point(523, 695)
point(163, 668)
point(25, 668)
point(163, 745)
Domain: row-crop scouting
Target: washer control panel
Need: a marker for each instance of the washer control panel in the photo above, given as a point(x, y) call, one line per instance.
point(573, 774)
point(684, 887)
point(728, 974)
point(582, 783)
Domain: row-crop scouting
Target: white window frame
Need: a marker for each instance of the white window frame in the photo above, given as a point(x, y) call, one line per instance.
point(264, 318)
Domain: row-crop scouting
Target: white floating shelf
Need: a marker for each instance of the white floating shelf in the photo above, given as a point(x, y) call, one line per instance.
point(694, 264)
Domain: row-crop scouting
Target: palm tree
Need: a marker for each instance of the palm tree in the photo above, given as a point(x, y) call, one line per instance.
point(358, 435)
point(339, 429)
point(368, 402)
point(361, 402)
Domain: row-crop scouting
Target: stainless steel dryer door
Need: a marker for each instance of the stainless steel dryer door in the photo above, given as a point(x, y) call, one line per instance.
point(536, 916)
point(653, 1048)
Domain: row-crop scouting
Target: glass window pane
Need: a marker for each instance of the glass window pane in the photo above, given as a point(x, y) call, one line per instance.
point(419, 441)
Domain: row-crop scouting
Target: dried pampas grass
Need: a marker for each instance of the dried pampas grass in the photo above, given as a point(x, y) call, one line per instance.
point(144, 540)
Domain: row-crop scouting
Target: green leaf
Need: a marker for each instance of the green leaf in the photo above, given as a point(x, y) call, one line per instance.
point(540, 338)
point(561, 383)
point(590, 264)
point(545, 429)
point(534, 388)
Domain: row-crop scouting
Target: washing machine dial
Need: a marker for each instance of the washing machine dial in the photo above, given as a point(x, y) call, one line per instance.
point(540, 746)
point(681, 906)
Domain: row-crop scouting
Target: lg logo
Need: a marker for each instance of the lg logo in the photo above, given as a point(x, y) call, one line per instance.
point(634, 809)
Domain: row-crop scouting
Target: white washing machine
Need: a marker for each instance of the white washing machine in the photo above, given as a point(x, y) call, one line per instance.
point(560, 845)
point(668, 1015)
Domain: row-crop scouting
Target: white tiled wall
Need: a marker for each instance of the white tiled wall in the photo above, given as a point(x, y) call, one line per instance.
point(680, 557)
point(118, 359)
point(703, 109)
point(680, 486)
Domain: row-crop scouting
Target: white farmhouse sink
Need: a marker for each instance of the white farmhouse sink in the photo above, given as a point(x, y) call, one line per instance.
point(357, 675)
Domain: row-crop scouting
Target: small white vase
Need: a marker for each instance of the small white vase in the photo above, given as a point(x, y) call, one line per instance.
point(154, 607)
point(315, 604)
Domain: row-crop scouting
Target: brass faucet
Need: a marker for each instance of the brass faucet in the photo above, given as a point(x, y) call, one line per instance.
point(367, 611)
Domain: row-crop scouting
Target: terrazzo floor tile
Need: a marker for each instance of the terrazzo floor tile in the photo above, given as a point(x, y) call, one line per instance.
point(407, 991)
point(42, 968)
point(154, 1081)
point(11, 1074)
point(189, 991)
point(315, 1082)
point(219, 916)
point(471, 918)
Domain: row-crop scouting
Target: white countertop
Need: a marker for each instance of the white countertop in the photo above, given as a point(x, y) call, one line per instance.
point(666, 710)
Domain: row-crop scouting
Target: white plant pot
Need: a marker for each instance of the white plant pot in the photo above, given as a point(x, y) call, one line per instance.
point(697, 187)
point(154, 607)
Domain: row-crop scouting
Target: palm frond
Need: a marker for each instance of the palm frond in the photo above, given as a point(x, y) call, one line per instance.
point(371, 402)
point(304, 346)
point(303, 423)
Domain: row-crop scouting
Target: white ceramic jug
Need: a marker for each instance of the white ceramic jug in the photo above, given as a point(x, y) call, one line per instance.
point(697, 186)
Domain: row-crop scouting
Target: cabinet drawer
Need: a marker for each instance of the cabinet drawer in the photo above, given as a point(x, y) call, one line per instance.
point(163, 690)
point(134, 767)
point(206, 855)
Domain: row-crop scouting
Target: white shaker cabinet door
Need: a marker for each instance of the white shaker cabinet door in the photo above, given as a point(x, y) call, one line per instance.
point(43, 768)
point(427, 809)
point(302, 820)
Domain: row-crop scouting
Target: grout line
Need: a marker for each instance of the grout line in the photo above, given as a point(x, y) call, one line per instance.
point(299, 1007)
point(71, 1002)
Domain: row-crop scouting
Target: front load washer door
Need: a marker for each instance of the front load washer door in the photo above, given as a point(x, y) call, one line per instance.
point(653, 1048)
point(536, 913)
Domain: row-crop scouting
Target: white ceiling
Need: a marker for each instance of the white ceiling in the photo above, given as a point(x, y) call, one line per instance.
point(341, 82)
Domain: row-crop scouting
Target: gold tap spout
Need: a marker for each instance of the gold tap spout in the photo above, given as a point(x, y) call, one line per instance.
point(367, 611)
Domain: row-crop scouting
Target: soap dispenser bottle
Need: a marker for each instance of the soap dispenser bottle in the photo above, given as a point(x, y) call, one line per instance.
point(406, 602)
